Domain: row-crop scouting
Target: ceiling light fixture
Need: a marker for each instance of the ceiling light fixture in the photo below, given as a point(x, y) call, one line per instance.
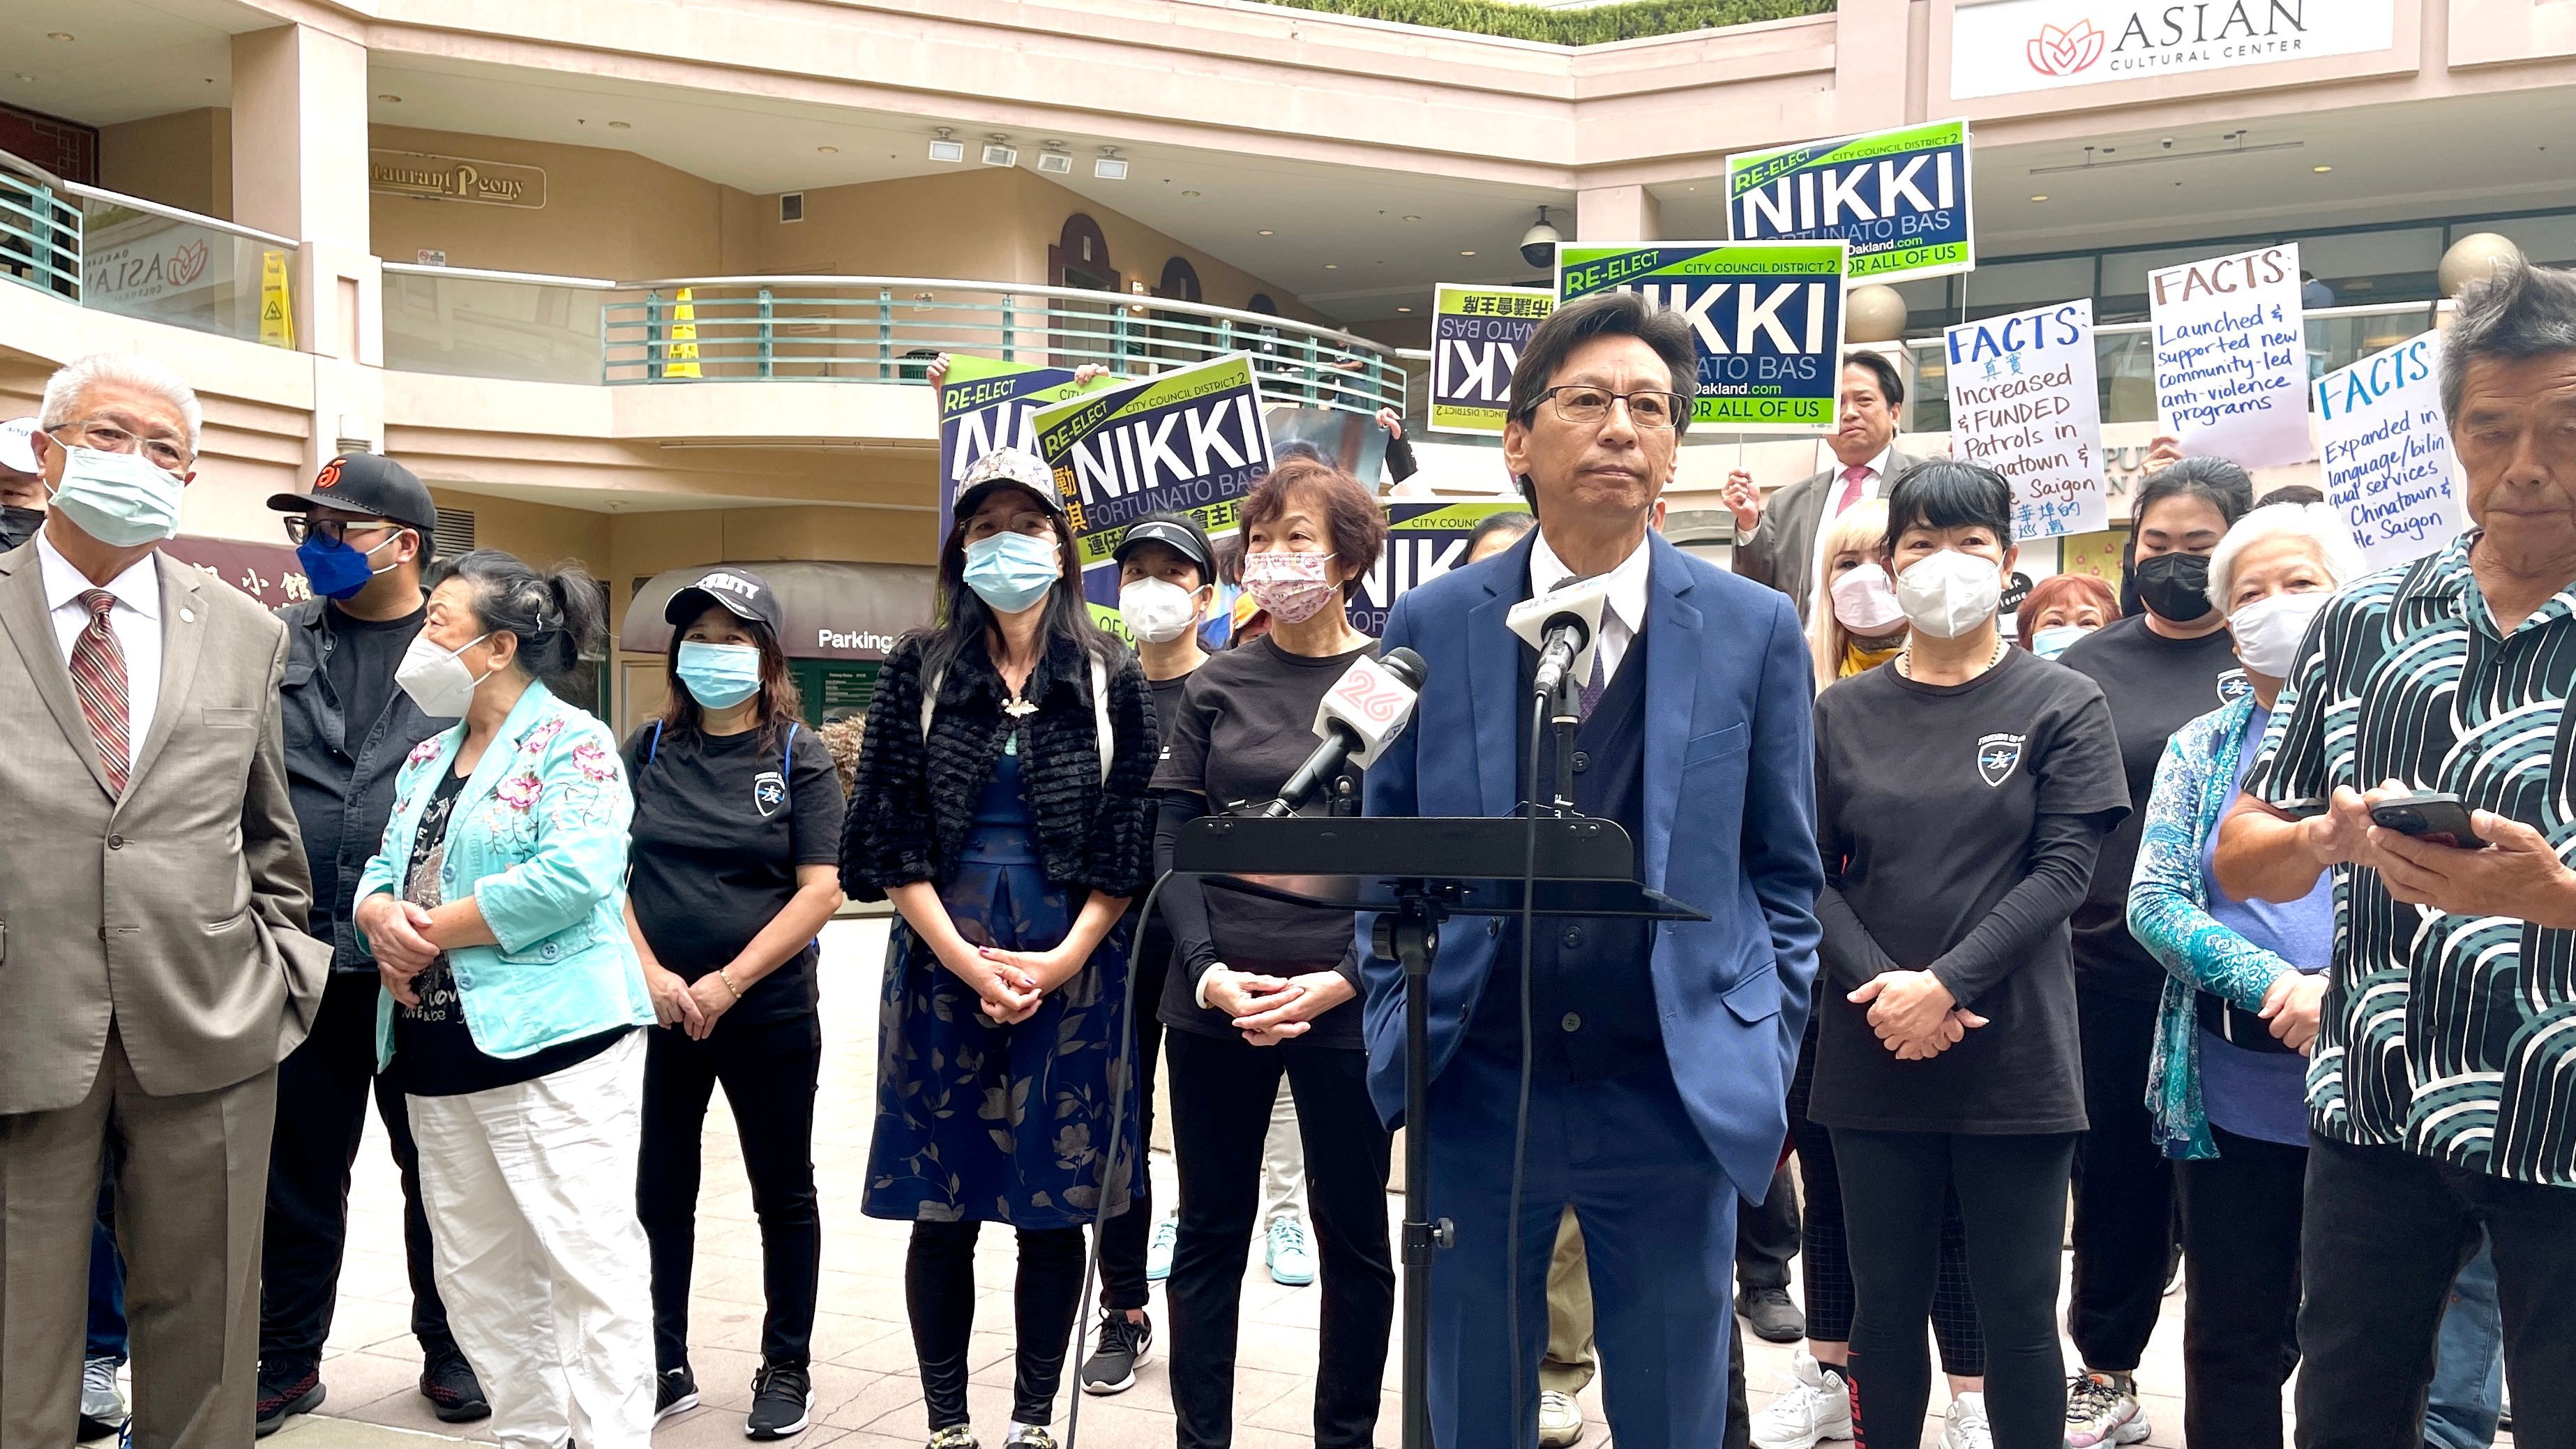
point(58, 35)
point(1265, 231)
point(2236, 148)
point(2321, 170)
point(1404, 309)
point(1413, 218)
point(827, 150)
point(1466, 254)
point(945, 149)
point(1110, 167)
point(1053, 160)
point(391, 100)
point(1332, 266)
point(998, 151)
point(620, 126)
point(2043, 196)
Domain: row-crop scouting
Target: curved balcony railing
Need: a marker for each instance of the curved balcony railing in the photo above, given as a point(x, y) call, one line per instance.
point(40, 229)
point(115, 253)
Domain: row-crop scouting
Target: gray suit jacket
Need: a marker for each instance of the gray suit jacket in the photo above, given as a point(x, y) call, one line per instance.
point(176, 912)
point(1782, 552)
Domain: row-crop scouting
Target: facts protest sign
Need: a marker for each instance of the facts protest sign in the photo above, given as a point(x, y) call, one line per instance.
point(1423, 541)
point(983, 405)
point(1766, 319)
point(1476, 338)
point(2232, 356)
point(1900, 198)
point(1188, 441)
point(2389, 466)
point(2024, 402)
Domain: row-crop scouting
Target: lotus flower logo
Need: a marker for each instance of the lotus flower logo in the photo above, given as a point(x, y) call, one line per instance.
point(186, 264)
point(2064, 52)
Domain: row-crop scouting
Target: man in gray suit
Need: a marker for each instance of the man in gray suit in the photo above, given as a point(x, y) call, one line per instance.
point(153, 961)
point(1775, 543)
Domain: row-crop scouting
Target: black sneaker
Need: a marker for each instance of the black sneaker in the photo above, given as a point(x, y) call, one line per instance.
point(454, 1394)
point(280, 1400)
point(782, 1401)
point(1121, 1345)
point(675, 1391)
point(1774, 1318)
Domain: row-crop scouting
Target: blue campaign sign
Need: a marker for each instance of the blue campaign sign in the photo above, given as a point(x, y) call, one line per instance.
point(986, 404)
point(1901, 198)
point(1766, 318)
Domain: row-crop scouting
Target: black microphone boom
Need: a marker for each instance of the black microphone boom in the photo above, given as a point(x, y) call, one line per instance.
point(1340, 742)
point(1566, 635)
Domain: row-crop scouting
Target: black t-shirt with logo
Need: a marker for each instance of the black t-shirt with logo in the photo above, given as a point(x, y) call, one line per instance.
point(1933, 802)
point(2154, 686)
point(721, 824)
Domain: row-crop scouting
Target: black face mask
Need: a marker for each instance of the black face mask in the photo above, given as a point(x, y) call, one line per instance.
point(2174, 586)
point(17, 525)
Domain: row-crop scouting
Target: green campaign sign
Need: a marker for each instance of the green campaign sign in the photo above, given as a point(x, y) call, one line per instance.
point(986, 404)
point(1901, 198)
point(1766, 319)
point(1477, 334)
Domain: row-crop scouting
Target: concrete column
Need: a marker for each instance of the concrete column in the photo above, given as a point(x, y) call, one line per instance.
point(1874, 65)
point(299, 141)
point(1617, 214)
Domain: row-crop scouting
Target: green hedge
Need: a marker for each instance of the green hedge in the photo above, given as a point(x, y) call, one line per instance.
point(1624, 21)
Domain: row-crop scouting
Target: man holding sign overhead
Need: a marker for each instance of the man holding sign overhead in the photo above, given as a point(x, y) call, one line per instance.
point(1777, 545)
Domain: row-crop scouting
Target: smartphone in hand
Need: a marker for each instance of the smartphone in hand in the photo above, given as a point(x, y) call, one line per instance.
point(2434, 815)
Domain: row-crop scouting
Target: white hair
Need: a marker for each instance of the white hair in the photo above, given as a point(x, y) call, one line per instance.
point(65, 389)
point(2319, 523)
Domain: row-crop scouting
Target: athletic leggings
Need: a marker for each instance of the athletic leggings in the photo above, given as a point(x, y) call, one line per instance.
point(2012, 1199)
point(939, 1294)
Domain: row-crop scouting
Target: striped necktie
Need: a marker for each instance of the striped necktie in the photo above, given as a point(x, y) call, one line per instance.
point(98, 678)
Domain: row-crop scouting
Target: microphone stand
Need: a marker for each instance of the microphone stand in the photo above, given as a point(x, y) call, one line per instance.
point(1566, 716)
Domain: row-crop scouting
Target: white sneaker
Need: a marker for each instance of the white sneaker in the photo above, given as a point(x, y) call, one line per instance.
point(1291, 1262)
point(102, 1408)
point(2101, 1411)
point(1560, 1420)
point(1813, 1407)
point(1965, 1427)
point(1158, 1250)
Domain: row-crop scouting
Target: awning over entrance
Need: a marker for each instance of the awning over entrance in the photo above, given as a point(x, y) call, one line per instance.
point(834, 610)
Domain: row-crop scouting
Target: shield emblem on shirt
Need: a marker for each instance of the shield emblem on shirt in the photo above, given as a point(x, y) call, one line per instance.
point(2233, 686)
point(1996, 757)
point(768, 792)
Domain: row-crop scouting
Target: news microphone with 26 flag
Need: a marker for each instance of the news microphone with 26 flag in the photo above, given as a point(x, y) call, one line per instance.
point(1367, 707)
point(1564, 626)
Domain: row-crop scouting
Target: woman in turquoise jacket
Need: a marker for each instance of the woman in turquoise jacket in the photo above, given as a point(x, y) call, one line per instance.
point(2243, 980)
point(496, 913)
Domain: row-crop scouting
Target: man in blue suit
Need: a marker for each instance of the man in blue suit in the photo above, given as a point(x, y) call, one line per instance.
point(1660, 1054)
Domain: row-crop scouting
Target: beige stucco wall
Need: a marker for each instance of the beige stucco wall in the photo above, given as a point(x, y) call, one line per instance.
point(182, 159)
point(608, 213)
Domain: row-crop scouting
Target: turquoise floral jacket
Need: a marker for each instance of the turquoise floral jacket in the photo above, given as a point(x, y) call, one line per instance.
point(2169, 914)
point(538, 838)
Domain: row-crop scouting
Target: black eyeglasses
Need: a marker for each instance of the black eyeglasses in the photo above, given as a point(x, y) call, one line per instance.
point(300, 526)
point(1648, 408)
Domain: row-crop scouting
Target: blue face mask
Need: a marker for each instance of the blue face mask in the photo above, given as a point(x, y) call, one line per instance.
point(1011, 571)
point(719, 676)
point(335, 570)
point(2050, 642)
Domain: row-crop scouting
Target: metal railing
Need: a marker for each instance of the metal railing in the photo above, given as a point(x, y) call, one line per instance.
point(164, 264)
point(40, 229)
point(518, 325)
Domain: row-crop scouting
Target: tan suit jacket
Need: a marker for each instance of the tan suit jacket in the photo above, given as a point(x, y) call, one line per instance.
point(1782, 552)
point(176, 911)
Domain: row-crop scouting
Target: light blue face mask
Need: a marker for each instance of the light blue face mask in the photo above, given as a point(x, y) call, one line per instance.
point(1011, 571)
point(123, 500)
point(2050, 642)
point(719, 676)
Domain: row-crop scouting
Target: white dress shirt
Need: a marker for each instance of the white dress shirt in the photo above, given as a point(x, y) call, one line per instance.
point(136, 622)
point(1623, 620)
point(1873, 484)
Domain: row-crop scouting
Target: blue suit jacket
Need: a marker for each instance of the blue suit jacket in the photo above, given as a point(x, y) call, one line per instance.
point(1730, 829)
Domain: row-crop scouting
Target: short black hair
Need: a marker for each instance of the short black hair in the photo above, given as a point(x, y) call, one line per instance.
point(1946, 493)
point(2295, 493)
point(1605, 314)
point(2519, 311)
point(1513, 522)
point(2215, 481)
point(1891, 383)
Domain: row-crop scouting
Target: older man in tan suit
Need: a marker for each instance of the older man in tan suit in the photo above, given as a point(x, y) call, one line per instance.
point(153, 962)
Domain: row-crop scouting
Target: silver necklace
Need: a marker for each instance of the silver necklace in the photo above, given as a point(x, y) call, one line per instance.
point(1905, 658)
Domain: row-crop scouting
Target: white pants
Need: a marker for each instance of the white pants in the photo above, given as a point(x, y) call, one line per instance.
point(530, 1191)
point(1283, 1161)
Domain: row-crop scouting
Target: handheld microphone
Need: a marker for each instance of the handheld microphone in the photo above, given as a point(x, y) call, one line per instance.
point(1564, 626)
point(1370, 705)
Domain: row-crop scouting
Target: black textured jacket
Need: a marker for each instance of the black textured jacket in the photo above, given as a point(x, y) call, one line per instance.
point(911, 805)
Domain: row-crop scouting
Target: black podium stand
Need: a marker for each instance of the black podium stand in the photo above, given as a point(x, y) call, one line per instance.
point(1418, 872)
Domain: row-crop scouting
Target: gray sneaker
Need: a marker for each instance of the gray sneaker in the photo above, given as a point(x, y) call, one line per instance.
point(102, 1408)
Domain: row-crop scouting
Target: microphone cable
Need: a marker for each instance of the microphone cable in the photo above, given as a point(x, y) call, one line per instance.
point(1521, 1110)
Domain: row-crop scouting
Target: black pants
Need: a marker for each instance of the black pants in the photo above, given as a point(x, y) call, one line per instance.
point(1221, 1098)
point(939, 1295)
point(1766, 1236)
point(770, 1071)
point(2240, 1247)
point(2124, 1227)
point(2012, 1195)
point(1123, 1239)
point(2384, 1233)
point(322, 1090)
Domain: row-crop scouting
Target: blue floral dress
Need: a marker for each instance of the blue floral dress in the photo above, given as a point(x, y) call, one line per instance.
point(986, 1122)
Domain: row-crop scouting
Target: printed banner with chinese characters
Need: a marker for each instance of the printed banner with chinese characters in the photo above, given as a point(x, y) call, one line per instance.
point(1476, 338)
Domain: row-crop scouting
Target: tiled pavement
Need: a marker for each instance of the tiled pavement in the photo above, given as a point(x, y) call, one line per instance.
point(867, 1391)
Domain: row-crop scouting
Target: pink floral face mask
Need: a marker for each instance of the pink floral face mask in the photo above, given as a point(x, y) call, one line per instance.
point(1292, 587)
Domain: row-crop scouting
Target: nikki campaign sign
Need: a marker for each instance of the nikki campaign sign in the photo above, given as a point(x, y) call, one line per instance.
point(985, 404)
point(1188, 441)
point(1476, 338)
point(1766, 319)
point(1900, 198)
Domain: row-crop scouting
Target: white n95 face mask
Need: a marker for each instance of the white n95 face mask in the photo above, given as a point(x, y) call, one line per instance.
point(1950, 593)
point(2268, 631)
point(1157, 611)
point(437, 679)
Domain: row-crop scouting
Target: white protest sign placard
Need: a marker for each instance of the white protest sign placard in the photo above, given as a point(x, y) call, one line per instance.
point(2389, 466)
point(2232, 356)
point(2024, 402)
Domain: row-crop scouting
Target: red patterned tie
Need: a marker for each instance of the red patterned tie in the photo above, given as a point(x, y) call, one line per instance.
point(98, 677)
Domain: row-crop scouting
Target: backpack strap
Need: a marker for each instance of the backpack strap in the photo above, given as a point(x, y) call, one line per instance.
point(786, 755)
point(1107, 737)
point(653, 746)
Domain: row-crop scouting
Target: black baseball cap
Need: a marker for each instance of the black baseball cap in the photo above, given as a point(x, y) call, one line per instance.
point(1171, 532)
point(366, 483)
point(744, 594)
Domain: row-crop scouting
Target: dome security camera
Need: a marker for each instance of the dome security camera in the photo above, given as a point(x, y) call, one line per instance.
point(1538, 244)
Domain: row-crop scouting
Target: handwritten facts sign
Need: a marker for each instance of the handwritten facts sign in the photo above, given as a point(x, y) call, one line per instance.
point(1766, 319)
point(2231, 356)
point(2389, 466)
point(1476, 338)
point(1190, 440)
point(1901, 198)
point(985, 404)
point(2024, 402)
point(1423, 541)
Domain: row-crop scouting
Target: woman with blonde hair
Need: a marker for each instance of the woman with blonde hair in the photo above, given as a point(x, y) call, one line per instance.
point(1853, 622)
